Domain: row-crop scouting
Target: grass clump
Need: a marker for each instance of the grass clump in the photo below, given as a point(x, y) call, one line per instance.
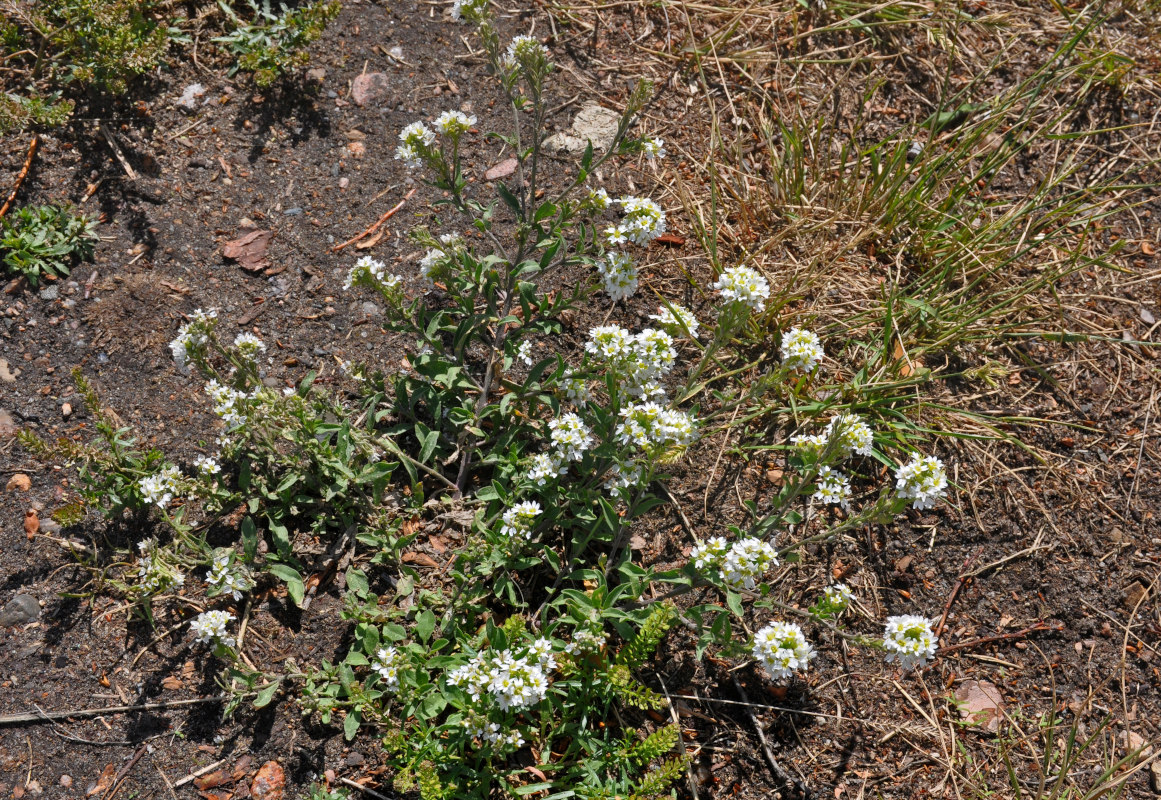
point(40, 241)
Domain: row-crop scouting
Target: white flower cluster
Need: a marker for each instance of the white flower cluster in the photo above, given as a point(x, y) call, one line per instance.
point(387, 662)
point(373, 274)
point(489, 733)
point(207, 466)
point(153, 575)
point(210, 627)
point(192, 336)
point(249, 345)
point(640, 360)
point(741, 564)
point(654, 428)
point(618, 275)
point(224, 580)
point(833, 487)
point(743, 285)
point(781, 648)
point(229, 404)
point(454, 124)
point(524, 353)
point(416, 141)
point(623, 476)
point(801, 350)
point(519, 519)
point(854, 435)
point(570, 437)
point(576, 390)
point(160, 488)
point(909, 640)
point(837, 597)
point(653, 148)
point(585, 642)
point(436, 261)
point(526, 52)
point(643, 222)
point(676, 320)
point(468, 9)
point(921, 480)
point(544, 467)
point(513, 682)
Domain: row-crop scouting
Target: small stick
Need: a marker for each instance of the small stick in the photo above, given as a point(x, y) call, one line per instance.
point(124, 772)
point(116, 148)
point(22, 175)
point(377, 224)
point(1039, 626)
point(20, 719)
point(195, 775)
point(369, 792)
point(775, 767)
point(959, 584)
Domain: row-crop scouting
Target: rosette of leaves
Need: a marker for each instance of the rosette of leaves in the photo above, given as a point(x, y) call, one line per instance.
point(45, 240)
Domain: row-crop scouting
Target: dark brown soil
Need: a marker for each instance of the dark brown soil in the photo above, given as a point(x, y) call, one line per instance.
point(1061, 536)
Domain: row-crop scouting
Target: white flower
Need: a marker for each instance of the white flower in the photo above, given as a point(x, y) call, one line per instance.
point(653, 354)
point(679, 321)
point(221, 578)
point(746, 562)
point(618, 275)
point(743, 285)
point(210, 627)
point(801, 350)
point(454, 123)
point(541, 650)
point(544, 467)
point(518, 519)
point(608, 342)
point(854, 435)
point(525, 52)
point(654, 148)
point(516, 683)
point(644, 220)
point(152, 572)
point(411, 158)
point(615, 236)
point(599, 199)
point(570, 437)
point(160, 488)
point(469, 9)
point(833, 487)
point(524, 353)
point(781, 648)
point(837, 596)
point(207, 465)
point(386, 663)
point(249, 344)
point(373, 274)
point(909, 640)
point(922, 480)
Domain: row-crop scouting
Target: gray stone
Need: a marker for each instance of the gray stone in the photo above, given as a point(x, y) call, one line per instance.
point(50, 292)
point(591, 123)
point(21, 610)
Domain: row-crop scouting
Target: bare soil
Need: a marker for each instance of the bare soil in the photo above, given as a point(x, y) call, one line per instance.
point(1046, 562)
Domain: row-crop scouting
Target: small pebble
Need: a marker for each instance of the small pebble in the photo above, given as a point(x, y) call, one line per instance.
point(66, 781)
point(66, 410)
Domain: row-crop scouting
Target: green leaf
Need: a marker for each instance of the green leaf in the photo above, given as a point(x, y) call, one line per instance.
point(508, 198)
point(425, 625)
point(249, 538)
point(294, 585)
point(357, 581)
point(351, 724)
point(546, 210)
point(266, 694)
point(734, 601)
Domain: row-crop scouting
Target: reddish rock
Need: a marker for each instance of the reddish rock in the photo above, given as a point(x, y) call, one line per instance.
point(269, 783)
point(368, 87)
